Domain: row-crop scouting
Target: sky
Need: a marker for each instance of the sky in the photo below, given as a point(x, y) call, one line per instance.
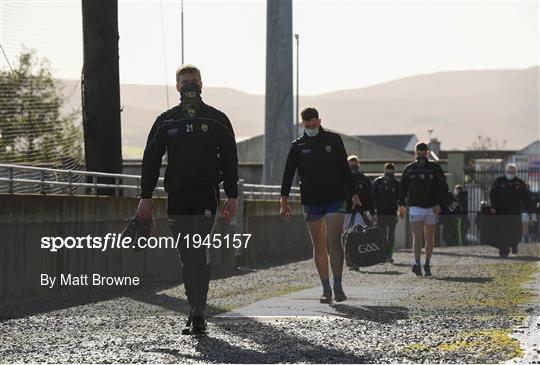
point(343, 44)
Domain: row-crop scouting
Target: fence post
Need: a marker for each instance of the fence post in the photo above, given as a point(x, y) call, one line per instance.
point(10, 183)
point(70, 188)
point(94, 181)
point(240, 211)
point(117, 183)
point(240, 253)
point(42, 184)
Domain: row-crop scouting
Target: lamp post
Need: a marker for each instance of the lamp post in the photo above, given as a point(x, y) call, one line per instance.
point(182, 27)
point(297, 132)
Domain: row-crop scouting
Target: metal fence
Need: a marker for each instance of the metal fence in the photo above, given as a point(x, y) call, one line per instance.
point(19, 179)
point(478, 183)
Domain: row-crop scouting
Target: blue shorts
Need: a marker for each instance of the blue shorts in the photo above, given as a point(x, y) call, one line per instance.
point(315, 212)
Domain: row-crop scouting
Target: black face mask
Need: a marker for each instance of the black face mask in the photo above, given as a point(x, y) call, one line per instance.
point(422, 159)
point(389, 174)
point(190, 99)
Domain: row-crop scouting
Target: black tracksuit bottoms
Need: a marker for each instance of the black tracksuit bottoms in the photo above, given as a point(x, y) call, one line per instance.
point(194, 211)
point(387, 224)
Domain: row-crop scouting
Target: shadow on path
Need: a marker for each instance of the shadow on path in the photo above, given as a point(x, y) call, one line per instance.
point(262, 342)
point(372, 313)
point(64, 300)
point(494, 256)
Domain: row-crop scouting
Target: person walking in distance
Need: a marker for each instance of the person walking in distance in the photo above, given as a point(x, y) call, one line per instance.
point(509, 199)
point(201, 149)
point(422, 187)
point(386, 191)
point(463, 223)
point(364, 189)
point(320, 159)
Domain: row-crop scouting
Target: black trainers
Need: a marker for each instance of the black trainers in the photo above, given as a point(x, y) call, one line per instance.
point(326, 297)
point(390, 260)
point(339, 294)
point(417, 270)
point(514, 250)
point(187, 327)
point(427, 270)
point(195, 325)
point(198, 325)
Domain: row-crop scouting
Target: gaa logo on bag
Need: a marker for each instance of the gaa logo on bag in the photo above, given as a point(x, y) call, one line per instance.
point(369, 247)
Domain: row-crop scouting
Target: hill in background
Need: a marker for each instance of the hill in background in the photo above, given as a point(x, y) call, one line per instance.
point(458, 105)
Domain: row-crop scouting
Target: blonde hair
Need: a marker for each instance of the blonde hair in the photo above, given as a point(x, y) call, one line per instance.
point(353, 158)
point(187, 69)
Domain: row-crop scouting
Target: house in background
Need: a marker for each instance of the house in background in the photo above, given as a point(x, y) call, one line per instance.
point(400, 142)
point(528, 157)
point(527, 161)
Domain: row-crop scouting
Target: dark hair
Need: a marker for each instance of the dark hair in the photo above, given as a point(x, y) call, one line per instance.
point(309, 113)
point(421, 146)
point(389, 166)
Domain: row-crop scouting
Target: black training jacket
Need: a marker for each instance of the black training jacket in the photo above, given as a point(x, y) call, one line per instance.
point(510, 196)
point(463, 200)
point(364, 190)
point(423, 184)
point(386, 191)
point(201, 151)
point(322, 166)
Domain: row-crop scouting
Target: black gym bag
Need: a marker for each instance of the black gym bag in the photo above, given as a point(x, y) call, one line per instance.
point(364, 245)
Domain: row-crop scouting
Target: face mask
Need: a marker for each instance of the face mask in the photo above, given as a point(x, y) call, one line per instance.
point(422, 159)
point(311, 132)
point(509, 176)
point(389, 174)
point(355, 168)
point(190, 99)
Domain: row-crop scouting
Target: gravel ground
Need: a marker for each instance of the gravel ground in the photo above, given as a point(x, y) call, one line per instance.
point(465, 313)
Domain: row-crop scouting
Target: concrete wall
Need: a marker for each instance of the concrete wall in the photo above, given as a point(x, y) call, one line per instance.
point(25, 219)
point(456, 166)
point(250, 172)
point(251, 149)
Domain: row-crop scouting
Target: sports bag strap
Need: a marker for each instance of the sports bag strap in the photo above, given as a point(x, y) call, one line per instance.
point(366, 219)
point(353, 216)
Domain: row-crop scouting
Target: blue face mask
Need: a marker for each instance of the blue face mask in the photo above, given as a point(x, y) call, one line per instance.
point(311, 132)
point(509, 176)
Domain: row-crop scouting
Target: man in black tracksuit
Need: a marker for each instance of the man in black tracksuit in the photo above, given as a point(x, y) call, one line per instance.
point(201, 153)
point(363, 186)
point(364, 190)
point(463, 224)
point(509, 197)
point(321, 161)
point(386, 192)
point(423, 186)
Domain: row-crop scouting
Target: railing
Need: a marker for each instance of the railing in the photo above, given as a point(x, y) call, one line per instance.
point(48, 181)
